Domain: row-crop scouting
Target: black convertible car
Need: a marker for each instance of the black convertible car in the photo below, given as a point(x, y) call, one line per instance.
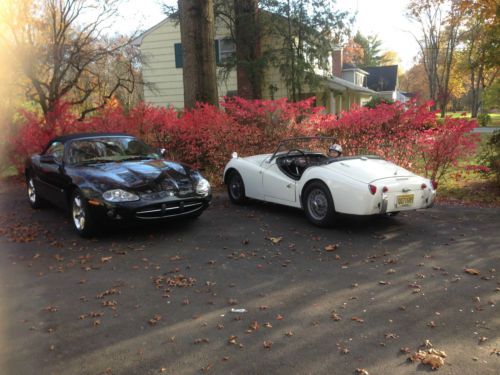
point(115, 177)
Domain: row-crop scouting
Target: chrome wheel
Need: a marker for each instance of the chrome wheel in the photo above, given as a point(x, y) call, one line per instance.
point(78, 213)
point(317, 204)
point(31, 192)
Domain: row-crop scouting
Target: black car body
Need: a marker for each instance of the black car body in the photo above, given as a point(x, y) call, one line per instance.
point(115, 177)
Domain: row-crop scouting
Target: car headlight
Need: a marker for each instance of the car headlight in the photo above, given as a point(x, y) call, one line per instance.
point(119, 195)
point(203, 187)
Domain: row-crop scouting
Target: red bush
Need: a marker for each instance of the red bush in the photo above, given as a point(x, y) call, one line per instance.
point(442, 145)
point(205, 136)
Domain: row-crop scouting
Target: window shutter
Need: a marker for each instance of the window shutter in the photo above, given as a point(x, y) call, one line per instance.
point(217, 58)
point(178, 55)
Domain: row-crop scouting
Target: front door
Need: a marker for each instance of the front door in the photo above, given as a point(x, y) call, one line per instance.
point(276, 186)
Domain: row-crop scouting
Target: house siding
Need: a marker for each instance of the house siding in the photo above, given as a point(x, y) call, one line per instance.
point(158, 51)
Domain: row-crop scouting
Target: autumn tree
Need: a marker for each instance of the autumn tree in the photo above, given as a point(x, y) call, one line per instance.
point(439, 23)
point(353, 53)
point(61, 56)
point(481, 47)
point(414, 80)
point(197, 24)
point(303, 34)
point(389, 58)
point(371, 49)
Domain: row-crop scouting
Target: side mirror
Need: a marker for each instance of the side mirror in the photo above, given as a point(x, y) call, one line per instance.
point(48, 159)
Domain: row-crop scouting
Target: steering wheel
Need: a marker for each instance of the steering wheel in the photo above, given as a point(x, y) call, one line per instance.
point(297, 172)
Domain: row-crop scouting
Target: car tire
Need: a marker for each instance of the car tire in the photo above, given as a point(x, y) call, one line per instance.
point(236, 188)
point(81, 218)
point(33, 197)
point(318, 204)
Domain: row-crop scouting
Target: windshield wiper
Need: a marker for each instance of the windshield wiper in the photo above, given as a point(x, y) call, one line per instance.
point(95, 161)
point(137, 157)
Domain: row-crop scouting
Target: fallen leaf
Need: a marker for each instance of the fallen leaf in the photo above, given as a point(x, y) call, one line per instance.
point(289, 334)
point(471, 271)
point(279, 317)
point(356, 319)
point(254, 326)
point(433, 360)
point(361, 371)
point(275, 240)
point(106, 259)
point(336, 317)
point(267, 344)
point(332, 247)
point(207, 368)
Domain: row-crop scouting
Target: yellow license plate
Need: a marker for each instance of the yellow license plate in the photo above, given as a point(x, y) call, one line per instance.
point(405, 200)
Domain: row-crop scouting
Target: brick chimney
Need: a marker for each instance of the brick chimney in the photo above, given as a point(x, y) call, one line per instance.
point(337, 62)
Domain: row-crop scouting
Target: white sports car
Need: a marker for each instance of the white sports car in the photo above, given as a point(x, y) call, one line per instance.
point(324, 186)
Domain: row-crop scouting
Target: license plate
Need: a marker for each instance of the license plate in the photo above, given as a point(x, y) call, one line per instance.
point(405, 200)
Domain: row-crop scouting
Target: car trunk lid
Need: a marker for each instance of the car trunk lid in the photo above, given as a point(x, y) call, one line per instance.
point(367, 170)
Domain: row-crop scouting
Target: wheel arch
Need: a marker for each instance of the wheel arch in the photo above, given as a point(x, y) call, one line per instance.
point(309, 182)
point(228, 172)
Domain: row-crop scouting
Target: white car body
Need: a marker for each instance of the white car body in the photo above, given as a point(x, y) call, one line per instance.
point(347, 178)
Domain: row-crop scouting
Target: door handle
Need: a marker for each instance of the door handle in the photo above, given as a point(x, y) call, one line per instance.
point(289, 186)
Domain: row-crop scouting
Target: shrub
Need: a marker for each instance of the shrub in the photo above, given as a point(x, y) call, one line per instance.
point(205, 136)
point(484, 119)
point(444, 144)
point(376, 100)
point(490, 155)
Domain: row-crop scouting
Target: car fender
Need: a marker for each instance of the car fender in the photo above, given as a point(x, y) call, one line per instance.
point(251, 174)
point(349, 196)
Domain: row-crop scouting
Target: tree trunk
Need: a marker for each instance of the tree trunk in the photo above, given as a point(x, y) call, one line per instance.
point(247, 35)
point(198, 52)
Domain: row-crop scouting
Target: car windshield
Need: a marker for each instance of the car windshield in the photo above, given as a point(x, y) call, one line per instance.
point(307, 144)
point(109, 149)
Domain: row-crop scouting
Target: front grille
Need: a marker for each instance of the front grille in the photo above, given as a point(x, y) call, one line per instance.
point(168, 188)
point(169, 209)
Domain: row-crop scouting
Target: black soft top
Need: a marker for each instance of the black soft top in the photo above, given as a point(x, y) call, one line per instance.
point(71, 137)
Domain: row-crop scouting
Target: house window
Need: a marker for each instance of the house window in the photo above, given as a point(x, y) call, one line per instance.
point(225, 48)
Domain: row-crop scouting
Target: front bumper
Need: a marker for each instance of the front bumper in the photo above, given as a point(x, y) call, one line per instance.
point(143, 210)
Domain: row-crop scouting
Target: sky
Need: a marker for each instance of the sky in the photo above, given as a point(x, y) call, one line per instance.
point(384, 18)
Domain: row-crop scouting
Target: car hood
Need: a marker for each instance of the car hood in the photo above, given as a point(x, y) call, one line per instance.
point(136, 174)
point(368, 170)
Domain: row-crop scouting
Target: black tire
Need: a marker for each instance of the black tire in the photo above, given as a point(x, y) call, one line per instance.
point(318, 204)
point(81, 218)
point(236, 188)
point(33, 197)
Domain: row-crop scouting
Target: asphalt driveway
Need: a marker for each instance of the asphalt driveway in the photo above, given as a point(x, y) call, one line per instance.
point(365, 294)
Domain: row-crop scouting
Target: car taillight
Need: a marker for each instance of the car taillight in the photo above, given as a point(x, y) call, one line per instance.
point(423, 186)
point(385, 189)
point(372, 188)
point(434, 184)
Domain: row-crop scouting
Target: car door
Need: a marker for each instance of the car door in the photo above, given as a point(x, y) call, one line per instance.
point(50, 174)
point(277, 187)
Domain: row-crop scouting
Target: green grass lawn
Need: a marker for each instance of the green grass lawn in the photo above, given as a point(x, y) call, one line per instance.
point(467, 187)
point(495, 117)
